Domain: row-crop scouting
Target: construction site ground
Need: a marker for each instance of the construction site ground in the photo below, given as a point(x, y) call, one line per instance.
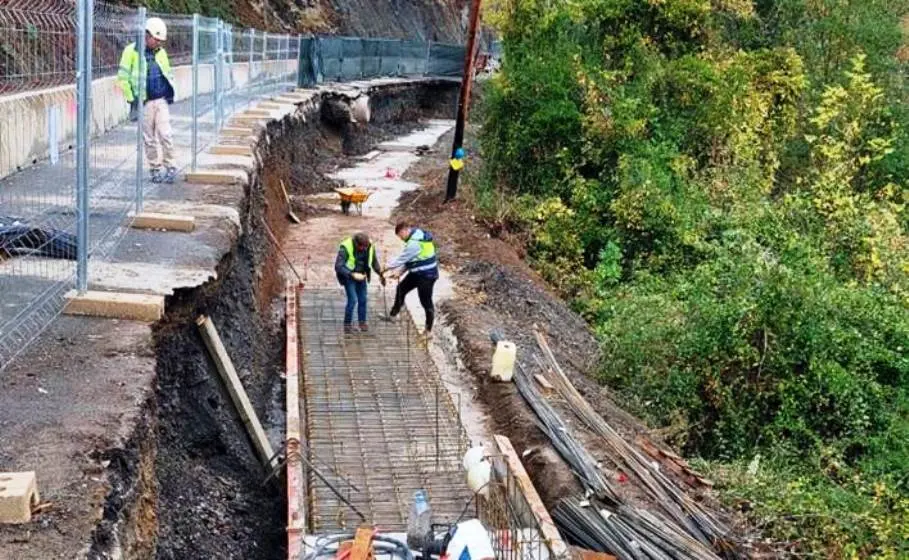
point(495, 290)
point(128, 426)
point(386, 411)
point(486, 287)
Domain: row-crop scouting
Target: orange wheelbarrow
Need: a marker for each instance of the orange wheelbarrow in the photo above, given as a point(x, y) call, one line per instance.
point(353, 196)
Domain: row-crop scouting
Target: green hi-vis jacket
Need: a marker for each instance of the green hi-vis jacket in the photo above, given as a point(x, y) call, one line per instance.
point(128, 73)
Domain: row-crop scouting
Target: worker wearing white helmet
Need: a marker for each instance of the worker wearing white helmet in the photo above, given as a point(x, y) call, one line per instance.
point(156, 91)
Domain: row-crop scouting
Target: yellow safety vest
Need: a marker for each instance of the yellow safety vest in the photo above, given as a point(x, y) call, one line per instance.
point(348, 246)
point(128, 73)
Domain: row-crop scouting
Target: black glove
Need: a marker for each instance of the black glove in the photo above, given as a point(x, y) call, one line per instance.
point(134, 110)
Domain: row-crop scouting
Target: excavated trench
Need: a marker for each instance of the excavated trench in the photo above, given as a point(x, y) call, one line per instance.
point(189, 484)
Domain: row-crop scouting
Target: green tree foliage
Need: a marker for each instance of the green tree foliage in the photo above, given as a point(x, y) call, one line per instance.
point(726, 181)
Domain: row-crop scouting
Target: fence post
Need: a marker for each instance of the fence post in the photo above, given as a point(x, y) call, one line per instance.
point(140, 48)
point(195, 98)
point(252, 56)
point(428, 58)
point(228, 43)
point(299, 59)
point(83, 83)
point(219, 56)
point(265, 55)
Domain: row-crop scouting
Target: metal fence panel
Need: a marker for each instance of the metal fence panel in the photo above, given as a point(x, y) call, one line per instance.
point(371, 58)
point(308, 75)
point(389, 52)
point(414, 56)
point(445, 60)
point(351, 58)
point(60, 198)
point(332, 55)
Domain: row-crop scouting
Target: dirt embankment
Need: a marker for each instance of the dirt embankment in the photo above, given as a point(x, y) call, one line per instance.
point(498, 292)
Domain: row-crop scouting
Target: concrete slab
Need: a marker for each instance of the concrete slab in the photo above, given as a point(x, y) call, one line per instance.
point(18, 494)
point(428, 136)
point(231, 150)
point(222, 177)
point(169, 222)
point(115, 305)
point(248, 121)
point(237, 131)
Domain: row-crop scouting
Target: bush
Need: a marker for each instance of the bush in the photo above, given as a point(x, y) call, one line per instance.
point(720, 188)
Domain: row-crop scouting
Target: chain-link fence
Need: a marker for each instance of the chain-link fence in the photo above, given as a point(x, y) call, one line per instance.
point(73, 161)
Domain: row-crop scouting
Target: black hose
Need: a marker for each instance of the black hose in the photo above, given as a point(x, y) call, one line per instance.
point(381, 545)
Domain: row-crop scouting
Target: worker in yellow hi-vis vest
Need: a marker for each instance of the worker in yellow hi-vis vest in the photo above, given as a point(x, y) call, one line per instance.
point(156, 91)
point(418, 259)
point(356, 260)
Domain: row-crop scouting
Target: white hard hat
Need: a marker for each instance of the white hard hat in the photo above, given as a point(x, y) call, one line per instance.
point(156, 28)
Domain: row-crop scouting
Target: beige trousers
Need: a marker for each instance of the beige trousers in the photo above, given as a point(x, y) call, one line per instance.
point(156, 128)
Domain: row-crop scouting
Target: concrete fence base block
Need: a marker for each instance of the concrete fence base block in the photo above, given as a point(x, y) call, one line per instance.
point(211, 178)
point(231, 150)
point(170, 222)
point(115, 305)
point(237, 132)
point(18, 494)
point(291, 100)
point(248, 120)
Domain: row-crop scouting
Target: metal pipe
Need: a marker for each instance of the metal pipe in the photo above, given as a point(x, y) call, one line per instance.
point(195, 98)
point(140, 123)
point(219, 73)
point(83, 83)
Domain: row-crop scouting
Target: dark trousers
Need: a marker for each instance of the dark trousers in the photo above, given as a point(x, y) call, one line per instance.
point(356, 297)
point(424, 288)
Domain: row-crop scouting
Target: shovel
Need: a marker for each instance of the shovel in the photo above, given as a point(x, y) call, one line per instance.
point(290, 209)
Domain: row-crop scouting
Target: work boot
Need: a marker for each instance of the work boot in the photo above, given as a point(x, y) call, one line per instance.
point(156, 175)
point(348, 329)
point(170, 176)
point(389, 318)
point(364, 327)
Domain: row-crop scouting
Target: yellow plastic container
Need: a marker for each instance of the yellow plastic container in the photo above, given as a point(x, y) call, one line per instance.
point(503, 361)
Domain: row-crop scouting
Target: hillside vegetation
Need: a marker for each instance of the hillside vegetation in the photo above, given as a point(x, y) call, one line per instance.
point(720, 188)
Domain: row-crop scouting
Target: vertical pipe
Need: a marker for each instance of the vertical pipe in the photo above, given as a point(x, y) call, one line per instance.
point(451, 190)
point(219, 55)
point(299, 60)
point(252, 56)
point(140, 48)
point(83, 82)
point(195, 98)
point(265, 54)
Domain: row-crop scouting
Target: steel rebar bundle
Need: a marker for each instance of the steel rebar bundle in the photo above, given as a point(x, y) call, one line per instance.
point(679, 506)
point(601, 520)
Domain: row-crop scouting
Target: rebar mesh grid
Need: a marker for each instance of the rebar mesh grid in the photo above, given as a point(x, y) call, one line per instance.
point(378, 414)
point(505, 513)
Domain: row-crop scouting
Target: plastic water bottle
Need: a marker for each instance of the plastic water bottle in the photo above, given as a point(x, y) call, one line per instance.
point(419, 525)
